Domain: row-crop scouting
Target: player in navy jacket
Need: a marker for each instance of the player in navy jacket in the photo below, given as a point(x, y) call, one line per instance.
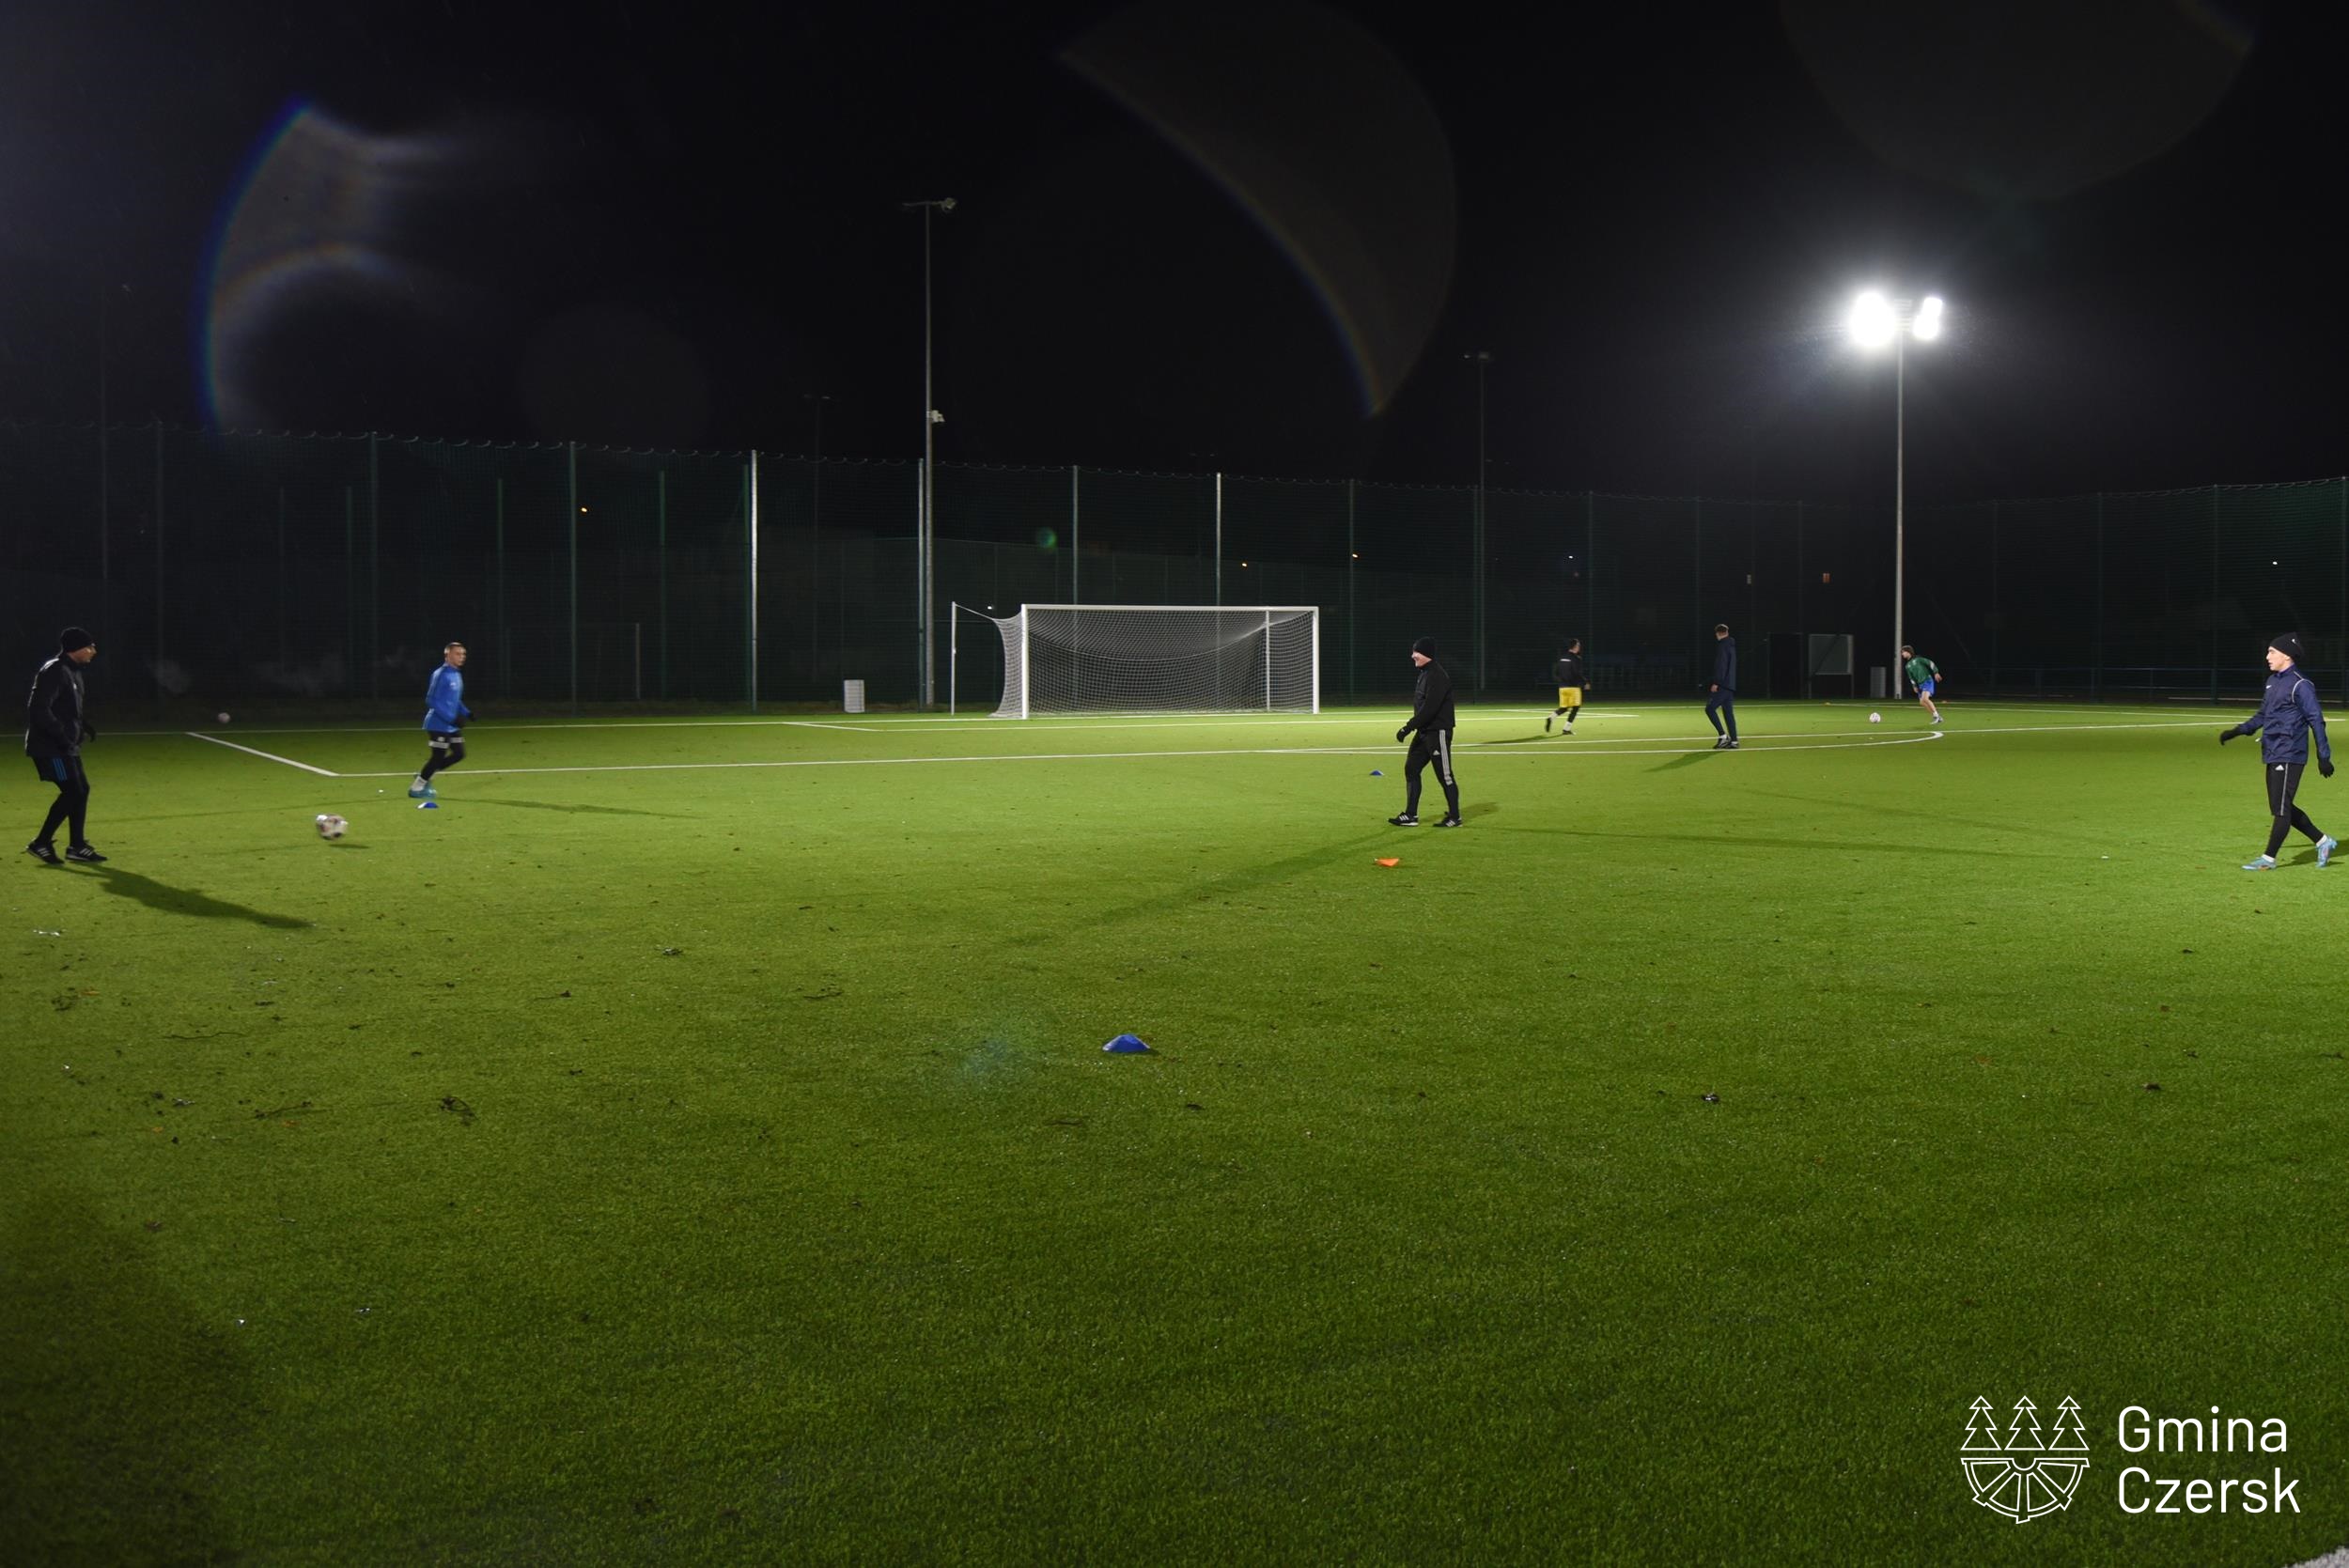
point(55, 724)
point(1721, 698)
point(2288, 711)
point(445, 715)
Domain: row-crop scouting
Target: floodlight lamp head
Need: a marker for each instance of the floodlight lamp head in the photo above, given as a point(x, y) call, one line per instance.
point(1872, 322)
point(1926, 325)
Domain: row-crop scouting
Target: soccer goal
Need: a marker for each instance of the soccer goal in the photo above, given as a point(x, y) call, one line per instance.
point(1160, 658)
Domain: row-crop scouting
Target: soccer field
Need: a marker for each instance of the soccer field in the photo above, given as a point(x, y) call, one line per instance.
point(693, 1142)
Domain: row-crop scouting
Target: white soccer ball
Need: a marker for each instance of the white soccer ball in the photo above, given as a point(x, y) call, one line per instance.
point(331, 825)
point(1875, 717)
point(224, 718)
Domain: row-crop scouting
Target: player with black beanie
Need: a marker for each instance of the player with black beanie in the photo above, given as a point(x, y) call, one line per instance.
point(2288, 710)
point(55, 724)
point(1433, 719)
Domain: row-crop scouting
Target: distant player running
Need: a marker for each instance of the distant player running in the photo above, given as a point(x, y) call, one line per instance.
point(2288, 711)
point(1924, 675)
point(1570, 687)
point(445, 715)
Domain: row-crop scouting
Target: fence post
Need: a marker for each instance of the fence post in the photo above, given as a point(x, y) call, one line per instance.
point(1589, 573)
point(660, 552)
point(753, 592)
point(1994, 599)
point(2213, 593)
point(1353, 556)
point(350, 593)
point(2096, 671)
point(158, 559)
point(506, 643)
point(281, 574)
point(1219, 539)
point(375, 571)
point(571, 490)
point(1076, 542)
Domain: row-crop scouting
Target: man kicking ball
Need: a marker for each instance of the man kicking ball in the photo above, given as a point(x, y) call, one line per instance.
point(1924, 675)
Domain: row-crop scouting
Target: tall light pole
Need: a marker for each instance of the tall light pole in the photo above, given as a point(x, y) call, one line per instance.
point(1875, 322)
point(926, 539)
point(1476, 553)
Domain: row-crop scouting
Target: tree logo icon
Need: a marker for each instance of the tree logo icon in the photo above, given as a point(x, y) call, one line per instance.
point(2024, 1476)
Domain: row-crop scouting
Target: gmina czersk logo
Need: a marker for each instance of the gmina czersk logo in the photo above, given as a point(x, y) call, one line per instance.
point(2023, 1476)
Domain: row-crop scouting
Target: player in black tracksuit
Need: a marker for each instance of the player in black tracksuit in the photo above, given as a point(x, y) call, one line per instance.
point(1569, 686)
point(1722, 700)
point(55, 728)
point(1432, 717)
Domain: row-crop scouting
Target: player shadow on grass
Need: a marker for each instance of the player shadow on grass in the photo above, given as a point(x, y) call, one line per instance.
point(187, 901)
point(549, 805)
point(1686, 759)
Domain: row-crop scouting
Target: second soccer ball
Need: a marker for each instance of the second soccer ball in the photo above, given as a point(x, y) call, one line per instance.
point(1875, 717)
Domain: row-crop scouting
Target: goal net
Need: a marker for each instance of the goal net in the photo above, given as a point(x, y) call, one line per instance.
point(1160, 658)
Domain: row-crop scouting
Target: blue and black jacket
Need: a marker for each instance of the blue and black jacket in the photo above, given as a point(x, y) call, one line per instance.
point(444, 709)
point(1725, 665)
point(2288, 710)
point(54, 722)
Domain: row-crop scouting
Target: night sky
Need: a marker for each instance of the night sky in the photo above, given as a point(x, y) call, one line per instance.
point(1255, 238)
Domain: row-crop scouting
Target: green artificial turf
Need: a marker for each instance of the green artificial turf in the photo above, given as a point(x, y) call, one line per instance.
point(693, 1141)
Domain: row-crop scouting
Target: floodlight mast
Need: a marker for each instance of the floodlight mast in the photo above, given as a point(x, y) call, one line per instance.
point(1875, 322)
point(925, 500)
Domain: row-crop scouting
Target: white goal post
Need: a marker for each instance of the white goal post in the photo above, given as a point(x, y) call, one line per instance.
point(1160, 658)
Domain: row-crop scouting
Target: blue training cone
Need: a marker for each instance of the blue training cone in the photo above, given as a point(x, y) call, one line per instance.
point(1127, 1044)
point(1377, 774)
point(429, 805)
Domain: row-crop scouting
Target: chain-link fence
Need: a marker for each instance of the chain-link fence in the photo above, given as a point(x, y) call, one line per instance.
point(248, 567)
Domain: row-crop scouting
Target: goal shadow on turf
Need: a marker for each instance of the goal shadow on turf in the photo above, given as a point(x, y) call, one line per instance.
point(1755, 841)
point(572, 808)
point(1236, 883)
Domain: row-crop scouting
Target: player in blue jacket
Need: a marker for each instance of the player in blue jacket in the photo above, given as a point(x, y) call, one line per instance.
point(445, 715)
point(2288, 711)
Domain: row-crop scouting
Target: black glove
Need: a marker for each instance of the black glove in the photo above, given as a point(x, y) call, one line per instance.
point(89, 732)
point(2228, 734)
point(2325, 767)
point(1402, 735)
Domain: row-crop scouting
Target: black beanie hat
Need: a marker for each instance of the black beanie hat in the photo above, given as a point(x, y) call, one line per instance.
point(73, 638)
point(2288, 644)
point(1426, 646)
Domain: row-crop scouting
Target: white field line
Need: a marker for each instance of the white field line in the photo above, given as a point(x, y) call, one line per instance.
point(1845, 740)
point(270, 756)
point(1110, 756)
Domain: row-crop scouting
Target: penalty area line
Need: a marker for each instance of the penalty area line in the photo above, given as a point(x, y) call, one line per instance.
point(265, 756)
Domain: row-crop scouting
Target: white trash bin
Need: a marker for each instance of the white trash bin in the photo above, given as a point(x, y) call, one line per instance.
point(851, 696)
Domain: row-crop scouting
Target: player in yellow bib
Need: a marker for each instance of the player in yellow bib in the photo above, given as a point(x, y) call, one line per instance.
point(1570, 688)
point(1924, 675)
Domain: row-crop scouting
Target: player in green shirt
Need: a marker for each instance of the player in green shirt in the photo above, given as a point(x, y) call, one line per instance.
point(1924, 675)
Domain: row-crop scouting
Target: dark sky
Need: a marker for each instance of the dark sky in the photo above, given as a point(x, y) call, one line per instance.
point(671, 224)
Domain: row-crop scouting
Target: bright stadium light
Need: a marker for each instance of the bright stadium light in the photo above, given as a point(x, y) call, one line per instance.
point(1875, 322)
point(1870, 322)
